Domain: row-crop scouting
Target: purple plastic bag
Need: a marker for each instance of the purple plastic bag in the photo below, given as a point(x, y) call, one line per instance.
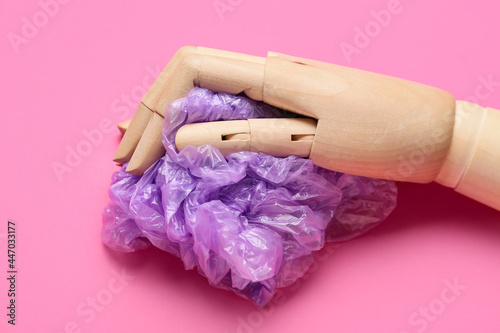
point(248, 222)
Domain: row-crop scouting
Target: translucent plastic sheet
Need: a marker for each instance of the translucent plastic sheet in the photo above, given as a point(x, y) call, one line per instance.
point(248, 222)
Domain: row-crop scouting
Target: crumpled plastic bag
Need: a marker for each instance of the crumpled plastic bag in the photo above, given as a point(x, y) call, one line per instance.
point(249, 222)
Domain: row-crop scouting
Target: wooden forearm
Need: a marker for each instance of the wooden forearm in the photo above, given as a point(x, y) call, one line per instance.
point(472, 165)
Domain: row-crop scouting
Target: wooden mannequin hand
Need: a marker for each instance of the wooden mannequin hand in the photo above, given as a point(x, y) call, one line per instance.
point(367, 124)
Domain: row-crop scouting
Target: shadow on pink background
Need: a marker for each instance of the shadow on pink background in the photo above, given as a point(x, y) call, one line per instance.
point(69, 75)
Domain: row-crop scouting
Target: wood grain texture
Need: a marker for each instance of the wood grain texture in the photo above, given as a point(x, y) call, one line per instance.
point(481, 179)
point(468, 120)
point(368, 124)
point(273, 136)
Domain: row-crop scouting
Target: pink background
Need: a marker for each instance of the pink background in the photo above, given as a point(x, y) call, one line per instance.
point(72, 74)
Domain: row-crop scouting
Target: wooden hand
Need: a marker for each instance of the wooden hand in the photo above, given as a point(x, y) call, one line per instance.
point(367, 124)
